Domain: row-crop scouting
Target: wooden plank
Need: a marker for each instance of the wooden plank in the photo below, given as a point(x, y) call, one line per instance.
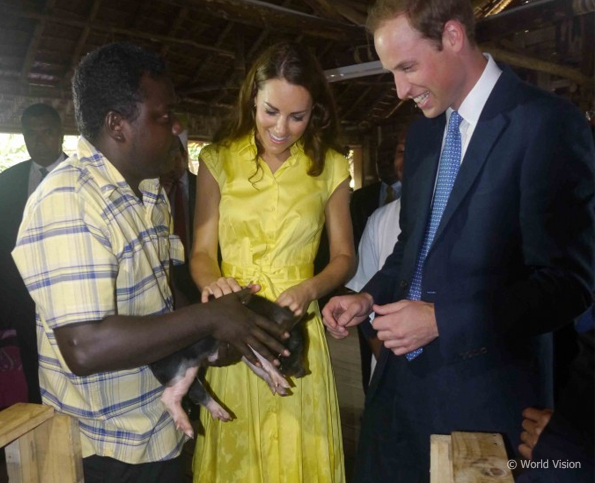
point(21, 418)
point(479, 458)
point(440, 459)
point(59, 451)
point(20, 460)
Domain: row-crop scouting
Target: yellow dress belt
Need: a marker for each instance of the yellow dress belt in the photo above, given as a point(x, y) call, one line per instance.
point(273, 276)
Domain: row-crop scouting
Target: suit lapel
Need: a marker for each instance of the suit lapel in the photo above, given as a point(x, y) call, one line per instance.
point(492, 122)
point(425, 176)
point(21, 188)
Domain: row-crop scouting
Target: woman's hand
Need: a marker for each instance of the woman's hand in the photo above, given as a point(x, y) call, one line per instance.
point(297, 299)
point(221, 286)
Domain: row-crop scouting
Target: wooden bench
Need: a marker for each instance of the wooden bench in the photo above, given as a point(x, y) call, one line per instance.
point(41, 446)
point(469, 458)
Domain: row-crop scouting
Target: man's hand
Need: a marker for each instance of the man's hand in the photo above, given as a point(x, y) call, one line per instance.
point(405, 325)
point(533, 423)
point(244, 329)
point(346, 311)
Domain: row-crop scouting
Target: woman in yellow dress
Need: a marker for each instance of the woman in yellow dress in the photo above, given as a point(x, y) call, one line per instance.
point(264, 191)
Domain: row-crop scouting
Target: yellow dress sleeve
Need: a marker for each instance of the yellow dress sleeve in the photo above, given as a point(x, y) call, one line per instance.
point(338, 169)
point(211, 157)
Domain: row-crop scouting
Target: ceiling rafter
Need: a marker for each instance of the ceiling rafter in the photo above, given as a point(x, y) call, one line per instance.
point(78, 50)
point(261, 14)
point(34, 44)
point(114, 30)
point(182, 15)
point(324, 8)
point(532, 63)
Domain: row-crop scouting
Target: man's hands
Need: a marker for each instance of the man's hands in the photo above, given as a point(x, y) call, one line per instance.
point(244, 329)
point(533, 423)
point(402, 326)
point(405, 325)
point(346, 311)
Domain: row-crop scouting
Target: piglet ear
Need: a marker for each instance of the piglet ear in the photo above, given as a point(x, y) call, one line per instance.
point(245, 295)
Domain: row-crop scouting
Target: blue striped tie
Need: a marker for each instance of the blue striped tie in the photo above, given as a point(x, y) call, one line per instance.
point(450, 160)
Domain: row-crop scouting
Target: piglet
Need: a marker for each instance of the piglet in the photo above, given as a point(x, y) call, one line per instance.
point(178, 371)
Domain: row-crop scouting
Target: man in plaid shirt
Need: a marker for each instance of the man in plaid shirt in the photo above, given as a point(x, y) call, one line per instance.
point(95, 249)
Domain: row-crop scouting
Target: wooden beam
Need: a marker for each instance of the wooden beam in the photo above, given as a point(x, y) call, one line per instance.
point(232, 79)
point(325, 8)
point(519, 60)
point(182, 15)
point(351, 14)
point(527, 16)
point(76, 55)
point(34, 44)
point(262, 14)
point(17, 88)
point(27, 13)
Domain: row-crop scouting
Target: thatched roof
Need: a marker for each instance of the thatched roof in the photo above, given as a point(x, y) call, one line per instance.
point(208, 45)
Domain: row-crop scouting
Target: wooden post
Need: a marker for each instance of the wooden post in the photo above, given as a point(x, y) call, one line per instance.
point(440, 459)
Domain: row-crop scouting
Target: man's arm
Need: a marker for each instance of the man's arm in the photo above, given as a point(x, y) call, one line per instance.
point(557, 218)
point(85, 283)
point(123, 342)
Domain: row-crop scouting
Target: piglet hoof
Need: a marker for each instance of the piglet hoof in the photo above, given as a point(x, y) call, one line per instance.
point(217, 412)
point(281, 390)
point(185, 427)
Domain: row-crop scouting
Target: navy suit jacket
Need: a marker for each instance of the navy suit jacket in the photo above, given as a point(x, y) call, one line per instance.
point(17, 308)
point(511, 260)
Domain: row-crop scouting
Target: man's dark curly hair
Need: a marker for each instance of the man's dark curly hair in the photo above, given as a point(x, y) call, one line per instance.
point(108, 79)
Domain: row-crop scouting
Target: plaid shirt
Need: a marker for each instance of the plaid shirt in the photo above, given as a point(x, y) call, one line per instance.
point(88, 248)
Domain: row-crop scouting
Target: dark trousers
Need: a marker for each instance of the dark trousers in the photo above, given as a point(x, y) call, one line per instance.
point(100, 469)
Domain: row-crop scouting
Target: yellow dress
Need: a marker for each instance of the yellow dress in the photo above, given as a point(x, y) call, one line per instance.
point(269, 231)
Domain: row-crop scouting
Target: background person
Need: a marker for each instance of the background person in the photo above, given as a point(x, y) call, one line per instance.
point(43, 135)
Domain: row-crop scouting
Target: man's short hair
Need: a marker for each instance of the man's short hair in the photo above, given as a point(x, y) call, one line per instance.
point(109, 79)
point(40, 110)
point(426, 16)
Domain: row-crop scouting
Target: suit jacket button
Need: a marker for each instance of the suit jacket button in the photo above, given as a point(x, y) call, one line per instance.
point(404, 284)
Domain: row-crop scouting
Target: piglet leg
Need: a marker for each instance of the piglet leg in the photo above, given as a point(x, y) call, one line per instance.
point(277, 383)
point(172, 400)
point(199, 395)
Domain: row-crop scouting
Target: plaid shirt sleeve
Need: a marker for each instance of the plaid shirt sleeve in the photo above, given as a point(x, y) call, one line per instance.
point(65, 259)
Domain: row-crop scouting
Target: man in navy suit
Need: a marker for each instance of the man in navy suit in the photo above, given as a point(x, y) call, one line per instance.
point(511, 257)
point(42, 131)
